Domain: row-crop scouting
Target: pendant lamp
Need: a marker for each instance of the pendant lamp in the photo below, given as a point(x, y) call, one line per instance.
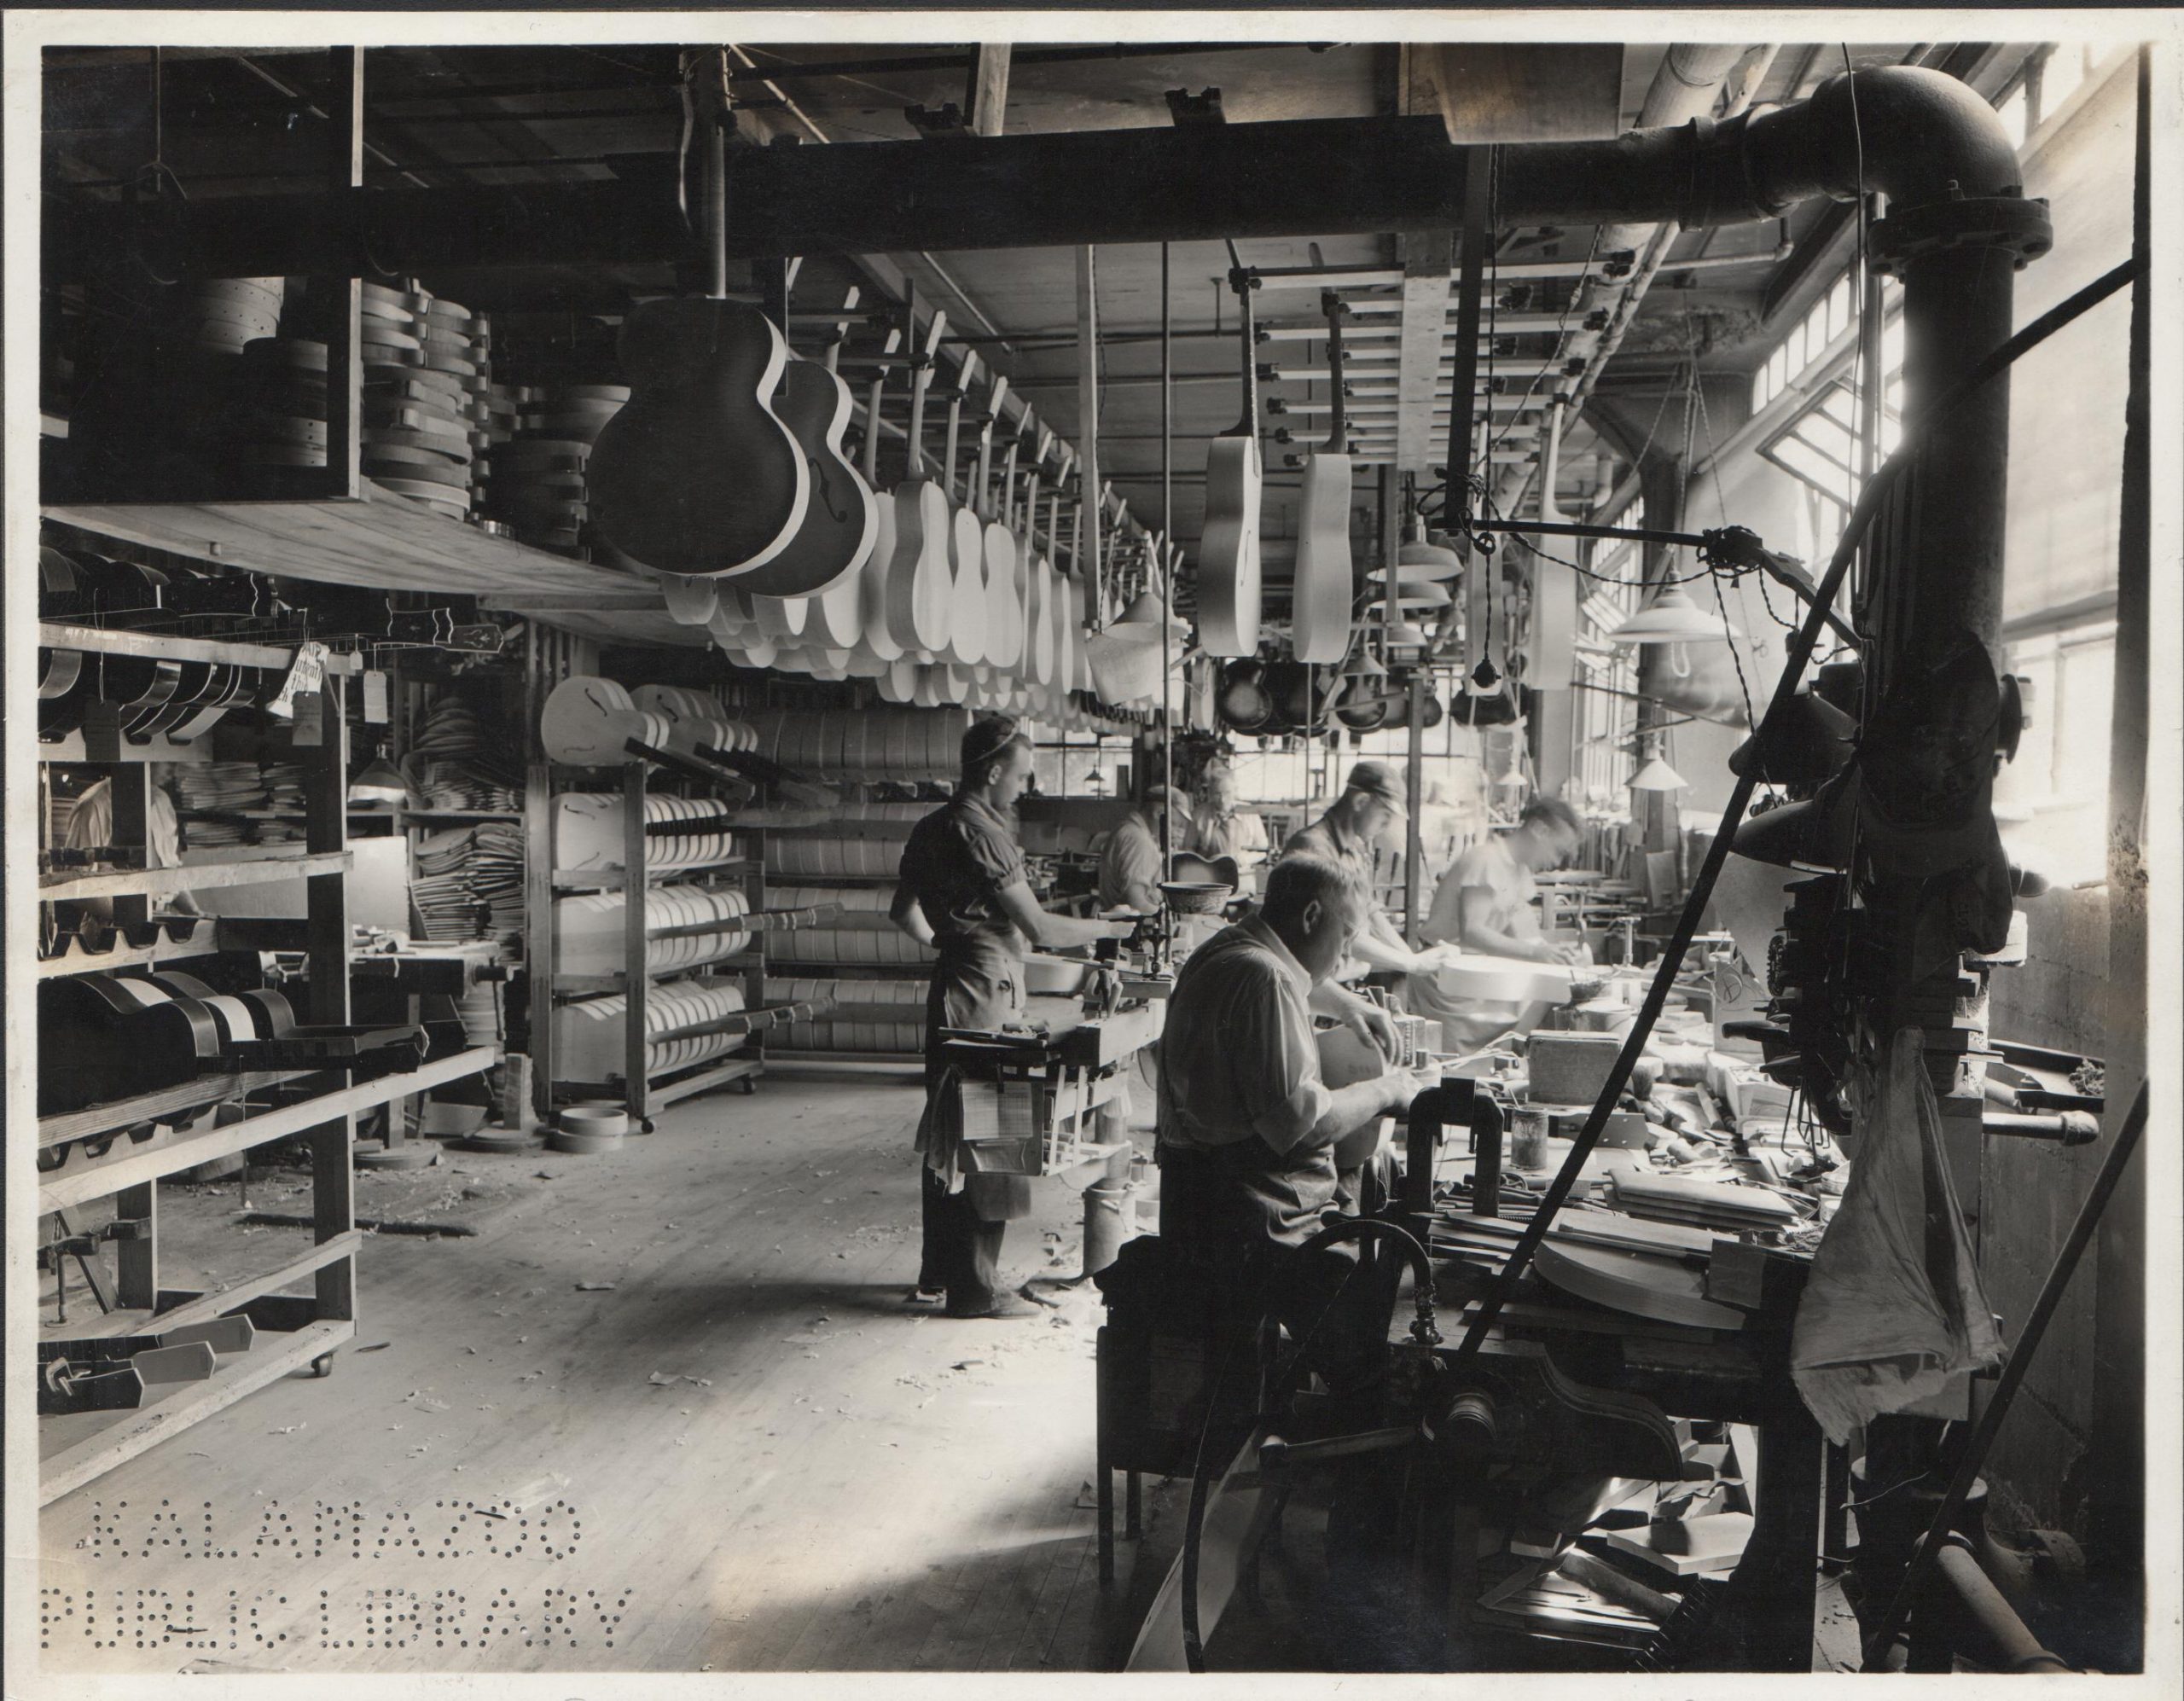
point(379, 782)
point(1658, 776)
point(1672, 618)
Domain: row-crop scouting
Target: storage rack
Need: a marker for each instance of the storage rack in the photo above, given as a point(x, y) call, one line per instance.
point(123, 1148)
point(642, 1088)
point(850, 972)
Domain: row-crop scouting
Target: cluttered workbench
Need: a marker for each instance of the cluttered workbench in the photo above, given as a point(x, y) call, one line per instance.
point(1050, 1098)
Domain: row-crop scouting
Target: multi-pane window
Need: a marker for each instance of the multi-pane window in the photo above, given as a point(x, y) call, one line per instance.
point(1607, 677)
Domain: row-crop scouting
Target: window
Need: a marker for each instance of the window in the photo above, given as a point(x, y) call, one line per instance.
point(1606, 681)
point(2049, 76)
point(2053, 800)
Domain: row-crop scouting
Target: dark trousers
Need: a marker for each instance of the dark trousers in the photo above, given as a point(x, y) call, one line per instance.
point(961, 1252)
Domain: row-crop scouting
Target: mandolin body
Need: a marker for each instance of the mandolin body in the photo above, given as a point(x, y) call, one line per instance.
point(1228, 593)
point(696, 474)
point(1320, 600)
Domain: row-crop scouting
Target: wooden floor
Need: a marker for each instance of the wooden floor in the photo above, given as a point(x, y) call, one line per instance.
point(742, 1452)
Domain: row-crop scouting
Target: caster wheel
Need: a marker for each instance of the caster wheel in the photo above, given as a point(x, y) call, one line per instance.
point(323, 1365)
point(750, 1089)
point(646, 1125)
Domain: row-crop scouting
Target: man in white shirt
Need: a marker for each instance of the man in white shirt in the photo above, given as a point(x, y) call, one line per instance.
point(91, 826)
point(1249, 1133)
point(1486, 904)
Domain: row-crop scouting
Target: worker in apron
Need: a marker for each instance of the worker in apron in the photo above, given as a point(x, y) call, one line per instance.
point(962, 891)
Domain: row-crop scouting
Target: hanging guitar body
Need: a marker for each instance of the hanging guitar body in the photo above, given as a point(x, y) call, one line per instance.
point(967, 548)
point(1229, 591)
point(839, 526)
point(919, 579)
point(1321, 596)
point(875, 640)
point(696, 474)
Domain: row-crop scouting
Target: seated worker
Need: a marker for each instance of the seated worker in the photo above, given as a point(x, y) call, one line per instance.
point(1484, 904)
point(963, 893)
point(1219, 828)
point(1368, 810)
point(1130, 865)
point(1249, 1137)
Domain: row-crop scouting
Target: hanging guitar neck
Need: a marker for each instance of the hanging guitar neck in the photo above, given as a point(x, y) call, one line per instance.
point(1337, 310)
point(1243, 281)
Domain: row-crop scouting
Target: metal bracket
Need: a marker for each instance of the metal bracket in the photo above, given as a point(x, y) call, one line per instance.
point(1202, 108)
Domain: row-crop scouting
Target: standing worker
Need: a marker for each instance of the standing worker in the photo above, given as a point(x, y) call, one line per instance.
point(1486, 904)
point(962, 891)
point(1132, 868)
point(1371, 805)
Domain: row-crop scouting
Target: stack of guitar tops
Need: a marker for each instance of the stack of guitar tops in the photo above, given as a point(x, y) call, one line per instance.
point(425, 377)
point(278, 418)
point(539, 489)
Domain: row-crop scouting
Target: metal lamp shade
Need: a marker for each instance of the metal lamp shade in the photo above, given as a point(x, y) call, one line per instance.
point(1672, 618)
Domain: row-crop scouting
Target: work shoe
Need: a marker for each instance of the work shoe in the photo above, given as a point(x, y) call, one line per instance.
point(1003, 1305)
point(926, 1297)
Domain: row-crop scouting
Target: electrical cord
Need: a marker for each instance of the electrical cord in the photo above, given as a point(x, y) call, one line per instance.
point(1801, 646)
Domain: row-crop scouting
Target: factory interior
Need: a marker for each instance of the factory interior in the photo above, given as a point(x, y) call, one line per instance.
point(1119, 850)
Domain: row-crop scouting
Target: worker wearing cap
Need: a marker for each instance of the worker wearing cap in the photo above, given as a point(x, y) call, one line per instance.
point(1130, 866)
point(962, 891)
point(1368, 810)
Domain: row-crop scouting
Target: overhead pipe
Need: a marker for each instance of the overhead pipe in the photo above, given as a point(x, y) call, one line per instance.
point(1303, 178)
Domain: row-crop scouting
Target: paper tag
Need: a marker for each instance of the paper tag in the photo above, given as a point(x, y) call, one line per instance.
point(374, 697)
point(305, 675)
point(309, 714)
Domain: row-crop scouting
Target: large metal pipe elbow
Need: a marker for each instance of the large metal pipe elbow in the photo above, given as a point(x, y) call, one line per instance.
point(1914, 135)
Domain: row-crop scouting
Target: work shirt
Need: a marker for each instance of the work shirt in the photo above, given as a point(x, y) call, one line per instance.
point(955, 864)
point(1130, 868)
point(1491, 868)
point(92, 824)
point(1240, 1092)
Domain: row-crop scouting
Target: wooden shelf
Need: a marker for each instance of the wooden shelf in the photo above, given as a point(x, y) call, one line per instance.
point(205, 1307)
point(191, 877)
point(385, 541)
point(183, 1099)
point(584, 985)
point(613, 878)
point(62, 634)
point(707, 1077)
point(136, 1165)
point(201, 943)
point(69, 1460)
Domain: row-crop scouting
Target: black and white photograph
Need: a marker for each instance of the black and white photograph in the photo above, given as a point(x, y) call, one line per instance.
point(1091, 852)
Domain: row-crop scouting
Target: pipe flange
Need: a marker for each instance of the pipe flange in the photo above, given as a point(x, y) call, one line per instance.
point(2009, 222)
